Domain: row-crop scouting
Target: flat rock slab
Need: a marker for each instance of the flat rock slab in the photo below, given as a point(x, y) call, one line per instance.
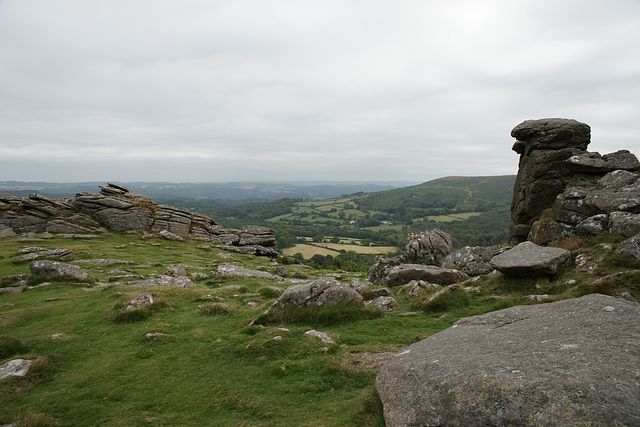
point(235, 270)
point(46, 269)
point(405, 273)
point(14, 368)
point(317, 292)
point(571, 362)
point(528, 259)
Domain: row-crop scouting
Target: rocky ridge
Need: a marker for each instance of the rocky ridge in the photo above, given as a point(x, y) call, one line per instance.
point(118, 208)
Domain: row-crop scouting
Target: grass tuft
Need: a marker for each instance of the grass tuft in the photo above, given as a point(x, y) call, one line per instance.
point(216, 309)
point(459, 298)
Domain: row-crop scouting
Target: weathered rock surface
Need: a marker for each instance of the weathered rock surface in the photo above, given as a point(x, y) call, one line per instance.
point(385, 303)
point(474, 261)
point(140, 301)
point(529, 260)
point(47, 270)
point(624, 223)
point(572, 362)
point(429, 247)
point(630, 247)
point(236, 270)
point(316, 292)
point(379, 270)
point(322, 336)
point(544, 146)
point(118, 208)
point(180, 281)
point(554, 163)
point(14, 368)
point(405, 273)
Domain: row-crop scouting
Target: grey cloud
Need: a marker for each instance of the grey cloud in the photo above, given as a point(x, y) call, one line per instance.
point(229, 90)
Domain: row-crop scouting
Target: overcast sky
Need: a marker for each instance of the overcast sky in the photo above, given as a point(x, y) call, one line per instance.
point(371, 90)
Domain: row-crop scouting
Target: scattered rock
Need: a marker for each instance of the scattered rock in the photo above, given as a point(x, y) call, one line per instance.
point(234, 270)
point(16, 279)
point(529, 260)
point(382, 292)
point(181, 281)
point(446, 290)
point(281, 270)
point(47, 270)
point(323, 336)
point(379, 270)
point(385, 303)
point(429, 247)
point(316, 292)
point(140, 301)
point(473, 261)
point(405, 273)
point(570, 362)
point(630, 247)
point(6, 232)
point(166, 234)
point(14, 368)
point(624, 223)
point(178, 270)
point(536, 298)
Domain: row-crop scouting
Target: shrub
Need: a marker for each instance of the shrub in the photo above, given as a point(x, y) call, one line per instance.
point(324, 315)
point(128, 316)
point(268, 293)
point(448, 301)
point(216, 309)
point(10, 346)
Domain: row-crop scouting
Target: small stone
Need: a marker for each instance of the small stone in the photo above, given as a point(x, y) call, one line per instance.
point(323, 336)
point(14, 368)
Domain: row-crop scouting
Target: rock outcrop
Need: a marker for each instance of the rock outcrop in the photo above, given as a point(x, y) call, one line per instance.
point(572, 362)
point(118, 208)
point(553, 158)
point(317, 292)
point(530, 260)
point(48, 270)
point(429, 247)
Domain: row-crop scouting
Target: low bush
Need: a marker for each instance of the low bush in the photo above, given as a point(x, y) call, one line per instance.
point(10, 346)
point(216, 309)
point(447, 301)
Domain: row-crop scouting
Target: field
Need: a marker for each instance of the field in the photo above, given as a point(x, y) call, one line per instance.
point(186, 361)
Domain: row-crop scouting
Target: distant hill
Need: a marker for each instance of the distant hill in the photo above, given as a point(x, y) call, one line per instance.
point(474, 210)
point(215, 194)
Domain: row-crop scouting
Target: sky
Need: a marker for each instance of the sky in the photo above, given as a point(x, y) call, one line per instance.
point(300, 90)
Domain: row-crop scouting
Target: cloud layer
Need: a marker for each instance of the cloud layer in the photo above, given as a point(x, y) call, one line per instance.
point(305, 90)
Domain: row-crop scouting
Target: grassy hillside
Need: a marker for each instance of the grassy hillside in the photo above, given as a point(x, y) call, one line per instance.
point(186, 362)
point(474, 210)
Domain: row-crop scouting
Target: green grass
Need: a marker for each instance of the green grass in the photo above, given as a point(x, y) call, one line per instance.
point(186, 361)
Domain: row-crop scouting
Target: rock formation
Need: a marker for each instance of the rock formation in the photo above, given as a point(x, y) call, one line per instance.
point(553, 157)
point(118, 208)
point(315, 293)
point(572, 362)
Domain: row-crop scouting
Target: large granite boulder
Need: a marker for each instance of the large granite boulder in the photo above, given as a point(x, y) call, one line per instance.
point(544, 146)
point(405, 273)
point(317, 292)
point(429, 247)
point(630, 246)
point(379, 270)
point(51, 270)
point(572, 362)
point(530, 260)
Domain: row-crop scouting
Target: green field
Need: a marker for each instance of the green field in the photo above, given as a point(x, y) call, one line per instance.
point(185, 361)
